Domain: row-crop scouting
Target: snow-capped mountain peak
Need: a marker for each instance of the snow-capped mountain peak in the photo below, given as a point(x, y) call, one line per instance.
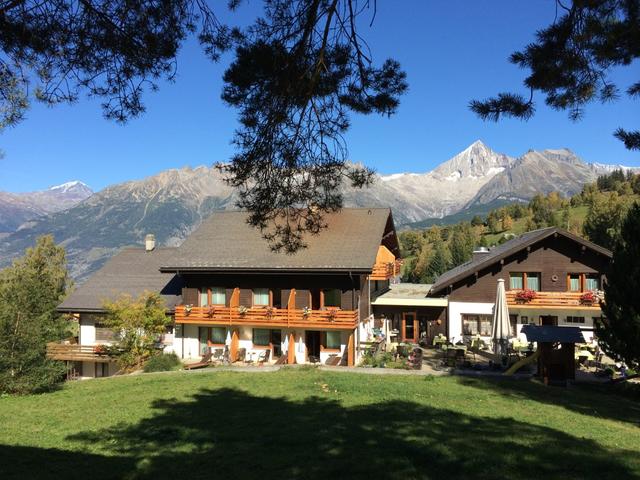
point(65, 187)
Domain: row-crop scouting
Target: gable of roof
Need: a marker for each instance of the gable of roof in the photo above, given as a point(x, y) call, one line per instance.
point(132, 271)
point(226, 242)
point(509, 248)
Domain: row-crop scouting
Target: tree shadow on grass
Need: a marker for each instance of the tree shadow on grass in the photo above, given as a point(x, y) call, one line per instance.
point(599, 401)
point(228, 433)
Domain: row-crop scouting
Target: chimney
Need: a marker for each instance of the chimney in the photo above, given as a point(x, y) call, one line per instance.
point(149, 242)
point(479, 252)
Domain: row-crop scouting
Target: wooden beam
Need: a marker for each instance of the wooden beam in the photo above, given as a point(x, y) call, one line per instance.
point(291, 351)
point(351, 352)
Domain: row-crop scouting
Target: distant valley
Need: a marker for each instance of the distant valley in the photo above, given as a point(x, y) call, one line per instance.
point(93, 226)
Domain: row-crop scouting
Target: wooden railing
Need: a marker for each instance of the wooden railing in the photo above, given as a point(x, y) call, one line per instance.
point(568, 300)
point(62, 351)
point(385, 271)
point(269, 317)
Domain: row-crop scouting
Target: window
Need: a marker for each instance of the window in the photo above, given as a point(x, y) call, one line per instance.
point(591, 282)
point(533, 281)
point(575, 320)
point(102, 369)
point(476, 324)
point(333, 340)
point(215, 335)
point(575, 282)
point(513, 322)
point(203, 297)
point(261, 297)
point(332, 298)
point(218, 296)
point(516, 281)
point(263, 337)
point(104, 334)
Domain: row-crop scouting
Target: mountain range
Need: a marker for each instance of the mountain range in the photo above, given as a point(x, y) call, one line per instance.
point(93, 226)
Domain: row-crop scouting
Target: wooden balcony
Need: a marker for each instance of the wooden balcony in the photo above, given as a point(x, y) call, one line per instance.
point(552, 300)
point(330, 319)
point(386, 270)
point(77, 353)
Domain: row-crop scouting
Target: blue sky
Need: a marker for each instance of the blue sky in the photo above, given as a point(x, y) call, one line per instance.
point(453, 51)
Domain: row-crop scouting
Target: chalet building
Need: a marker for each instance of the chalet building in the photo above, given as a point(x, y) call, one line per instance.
point(561, 269)
point(224, 288)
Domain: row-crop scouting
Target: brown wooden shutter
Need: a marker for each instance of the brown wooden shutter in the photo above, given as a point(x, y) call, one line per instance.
point(190, 296)
point(246, 297)
point(302, 299)
point(285, 297)
point(229, 294)
point(346, 302)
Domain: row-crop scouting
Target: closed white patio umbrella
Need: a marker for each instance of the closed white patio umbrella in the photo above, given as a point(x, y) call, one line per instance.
point(500, 328)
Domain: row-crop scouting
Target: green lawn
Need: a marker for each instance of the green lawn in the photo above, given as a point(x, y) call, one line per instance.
point(315, 424)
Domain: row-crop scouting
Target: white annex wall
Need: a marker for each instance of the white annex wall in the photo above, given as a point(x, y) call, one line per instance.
point(457, 309)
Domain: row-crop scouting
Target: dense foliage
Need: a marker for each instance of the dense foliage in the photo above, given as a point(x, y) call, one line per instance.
point(139, 324)
point(619, 331)
point(163, 362)
point(30, 291)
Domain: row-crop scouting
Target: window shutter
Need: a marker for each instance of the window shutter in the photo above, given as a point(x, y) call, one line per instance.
point(302, 299)
point(347, 300)
point(227, 302)
point(285, 297)
point(246, 297)
point(190, 296)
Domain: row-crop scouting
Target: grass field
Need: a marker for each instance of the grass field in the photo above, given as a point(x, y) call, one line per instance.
point(307, 423)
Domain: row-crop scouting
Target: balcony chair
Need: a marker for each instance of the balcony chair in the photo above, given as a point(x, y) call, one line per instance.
point(241, 355)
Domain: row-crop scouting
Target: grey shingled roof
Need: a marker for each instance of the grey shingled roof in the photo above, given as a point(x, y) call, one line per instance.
point(226, 242)
point(508, 248)
point(132, 271)
point(552, 333)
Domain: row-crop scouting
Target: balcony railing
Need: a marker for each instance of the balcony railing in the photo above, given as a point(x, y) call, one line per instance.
point(74, 352)
point(386, 271)
point(269, 317)
point(568, 300)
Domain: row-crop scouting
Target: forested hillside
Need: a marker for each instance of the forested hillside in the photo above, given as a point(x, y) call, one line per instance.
point(596, 213)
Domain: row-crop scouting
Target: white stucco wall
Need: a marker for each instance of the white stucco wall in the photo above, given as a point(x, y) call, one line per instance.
point(457, 309)
point(87, 330)
point(189, 338)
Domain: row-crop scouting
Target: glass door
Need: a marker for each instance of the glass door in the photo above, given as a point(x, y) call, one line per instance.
point(409, 327)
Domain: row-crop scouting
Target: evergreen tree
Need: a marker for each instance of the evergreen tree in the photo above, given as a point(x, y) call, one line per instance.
point(440, 262)
point(477, 221)
point(30, 291)
point(619, 331)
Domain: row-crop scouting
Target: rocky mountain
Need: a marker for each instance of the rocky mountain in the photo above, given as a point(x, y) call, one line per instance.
point(174, 202)
point(18, 208)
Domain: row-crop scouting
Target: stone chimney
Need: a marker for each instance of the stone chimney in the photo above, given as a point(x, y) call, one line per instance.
point(479, 252)
point(149, 242)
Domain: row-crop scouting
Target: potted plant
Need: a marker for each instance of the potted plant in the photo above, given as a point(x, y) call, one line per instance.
point(525, 296)
point(187, 309)
point(100, 350)
point(306, 312)
point(332, 313)
point(211, 311)
point(588, 298)
point(269, 311)
point(242, 310)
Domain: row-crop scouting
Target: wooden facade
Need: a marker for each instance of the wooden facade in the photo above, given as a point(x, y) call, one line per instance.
point(553, 258)
point(76, 353)
point(411, 321)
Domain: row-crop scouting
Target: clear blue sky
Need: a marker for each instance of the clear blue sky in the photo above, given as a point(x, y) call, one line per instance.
point(452, 51)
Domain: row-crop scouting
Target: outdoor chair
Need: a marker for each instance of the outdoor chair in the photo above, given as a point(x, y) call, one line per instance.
point(333, 360)
point(241, 355)
point(264, 357)
point(218, 354)
point(204, 362)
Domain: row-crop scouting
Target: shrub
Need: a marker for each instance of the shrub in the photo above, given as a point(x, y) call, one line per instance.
point(163, 362)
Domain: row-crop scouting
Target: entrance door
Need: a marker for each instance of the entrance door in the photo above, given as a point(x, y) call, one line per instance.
point(424, 330)
point(409, 327)
point(276, 341)
point(548, 320)
point(312, 342)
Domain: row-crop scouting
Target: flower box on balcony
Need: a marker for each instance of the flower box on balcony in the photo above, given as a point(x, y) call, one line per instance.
point(588, 298)
point(525, 296)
